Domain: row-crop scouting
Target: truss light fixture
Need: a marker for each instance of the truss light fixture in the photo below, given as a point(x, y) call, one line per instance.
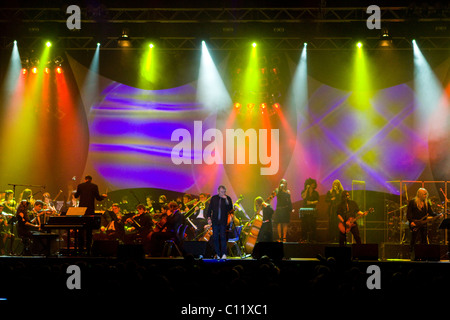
point(124, 40)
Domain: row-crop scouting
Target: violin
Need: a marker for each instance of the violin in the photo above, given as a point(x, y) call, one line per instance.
point(160, 225)
point(207, 234)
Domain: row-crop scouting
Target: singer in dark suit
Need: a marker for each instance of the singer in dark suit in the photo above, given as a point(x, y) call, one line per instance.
point(88, 193)
point(217, 215)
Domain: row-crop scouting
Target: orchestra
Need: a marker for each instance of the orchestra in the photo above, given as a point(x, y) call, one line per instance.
point(182, 218)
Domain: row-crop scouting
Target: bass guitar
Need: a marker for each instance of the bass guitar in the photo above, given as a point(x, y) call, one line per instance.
point(350, 223)
point(420, 223)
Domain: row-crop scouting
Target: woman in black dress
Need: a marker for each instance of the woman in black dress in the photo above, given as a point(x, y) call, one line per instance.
point(284, 209)
point(309, 219)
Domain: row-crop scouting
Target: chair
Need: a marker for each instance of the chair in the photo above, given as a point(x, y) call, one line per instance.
point(235, 243)
point(176, 242)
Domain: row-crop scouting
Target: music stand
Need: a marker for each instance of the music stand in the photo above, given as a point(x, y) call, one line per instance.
point(445, 224)
point(76, 211)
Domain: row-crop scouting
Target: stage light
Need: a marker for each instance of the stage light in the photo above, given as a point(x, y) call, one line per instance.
point(124, 40)
point(237, 105)
point(48, 44)
point(385, 39)
point(250, 105)
point(59, 70)
point(98, 44)
point(276, 106)
point(58, 60)
point(47, 70)
point(254, 44)
point(24, 71)
point(359, 44)
point(34, 70)
point(263, 105)
point(150, 45)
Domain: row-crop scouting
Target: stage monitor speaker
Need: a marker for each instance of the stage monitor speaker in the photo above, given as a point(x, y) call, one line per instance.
point(427, 252)
point(196, 248)
point(130, 251)
point(273, 250)
point(395, 251)
point(367, 251)
point(105, 248)
point(339, 253)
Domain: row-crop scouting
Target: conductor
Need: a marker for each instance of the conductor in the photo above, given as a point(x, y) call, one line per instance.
point(88, 193)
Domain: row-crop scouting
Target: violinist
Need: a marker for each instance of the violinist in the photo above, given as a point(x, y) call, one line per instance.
point(140, 225)
point(49, 203)
point(217, 216)
point(149, 205)
point(9, 203)
point(266, 212)
point(112, 224)
point(165, 229)
point(41, 213)
point(34, 213)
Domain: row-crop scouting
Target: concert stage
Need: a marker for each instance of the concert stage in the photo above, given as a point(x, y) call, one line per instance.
point(284, 283)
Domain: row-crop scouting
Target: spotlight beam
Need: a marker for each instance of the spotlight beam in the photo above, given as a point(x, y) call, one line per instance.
point(211, 90)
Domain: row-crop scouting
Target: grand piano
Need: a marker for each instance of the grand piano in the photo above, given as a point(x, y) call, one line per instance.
point(79, 228)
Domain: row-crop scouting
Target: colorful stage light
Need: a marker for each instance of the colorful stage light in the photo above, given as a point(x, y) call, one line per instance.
point(237, 105)
point(48, 44)
point(359, 44)
point(276, 106)
point(59, 70)
point(24, 71)
point(34, 70)
point(254, 44)
point(250, 106)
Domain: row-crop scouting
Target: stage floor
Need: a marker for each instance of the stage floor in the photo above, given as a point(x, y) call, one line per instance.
point(184, 287)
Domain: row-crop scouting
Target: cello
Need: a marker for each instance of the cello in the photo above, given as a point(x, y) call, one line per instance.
point(252, 235)
point(254, 226)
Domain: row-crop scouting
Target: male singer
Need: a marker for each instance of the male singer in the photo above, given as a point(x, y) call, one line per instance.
point(217, 215)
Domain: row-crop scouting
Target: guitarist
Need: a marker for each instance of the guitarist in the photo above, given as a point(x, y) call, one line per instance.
point(347, 209)
point(419, 209)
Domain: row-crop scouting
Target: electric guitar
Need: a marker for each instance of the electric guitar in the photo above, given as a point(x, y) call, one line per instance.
point(350, 223)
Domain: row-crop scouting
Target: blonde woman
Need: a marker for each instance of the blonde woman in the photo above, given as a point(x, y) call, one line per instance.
point(333, 198)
